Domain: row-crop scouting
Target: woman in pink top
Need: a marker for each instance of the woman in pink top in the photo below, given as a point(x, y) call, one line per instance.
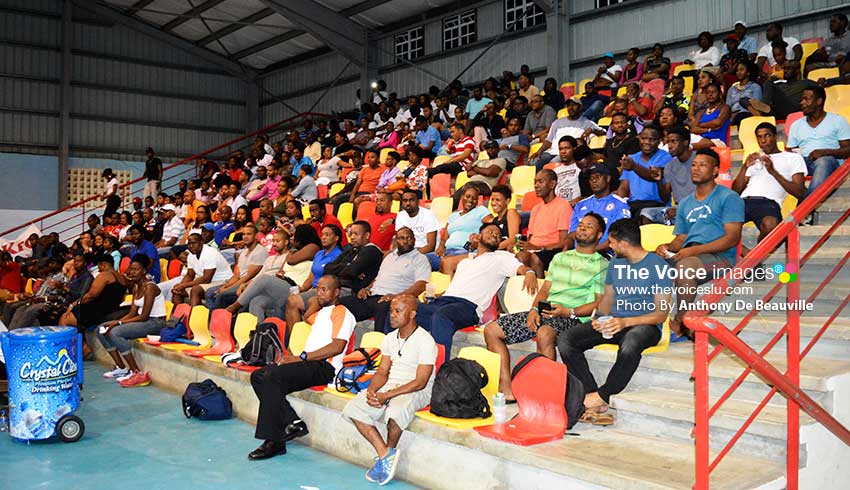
point(390, 138)
point(633, 70)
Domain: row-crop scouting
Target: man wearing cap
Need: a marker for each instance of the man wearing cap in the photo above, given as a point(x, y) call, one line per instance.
point(208, 235)
point(171, 231)
point(153, 172)
point(734, 54)
point(137, 203)
point(609, 73)
point(745, 42)
point(574, 125)
point(603, 202)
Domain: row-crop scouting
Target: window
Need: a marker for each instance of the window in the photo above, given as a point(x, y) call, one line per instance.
point(607, 3)
point(409, 45)
point(522, 14)
point(459, 30)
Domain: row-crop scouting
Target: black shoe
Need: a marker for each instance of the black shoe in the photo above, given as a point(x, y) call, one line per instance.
point(267, 450)
point(294, 430)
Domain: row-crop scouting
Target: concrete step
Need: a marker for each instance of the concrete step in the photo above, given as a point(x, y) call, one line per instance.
point(834, 342)
point(670, 413)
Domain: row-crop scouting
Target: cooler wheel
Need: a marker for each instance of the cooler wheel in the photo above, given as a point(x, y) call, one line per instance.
point(70, 428)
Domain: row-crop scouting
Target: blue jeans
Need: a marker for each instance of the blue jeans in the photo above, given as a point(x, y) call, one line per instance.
point(544, 159)
point(820, 169)
point(594, 112)
point(435, 259)
point(444, 316)
point(119, 337)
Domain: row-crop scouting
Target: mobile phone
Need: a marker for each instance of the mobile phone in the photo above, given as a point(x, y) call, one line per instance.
point(544, 306)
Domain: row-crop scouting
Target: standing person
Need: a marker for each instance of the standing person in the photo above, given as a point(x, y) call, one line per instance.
point(634, 319)
point(110, 193)
point(153, 172)
point(277, 421)
point(400, 388)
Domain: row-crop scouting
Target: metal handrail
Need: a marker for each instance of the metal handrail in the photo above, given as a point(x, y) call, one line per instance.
point(82, 203)
point(788, 384)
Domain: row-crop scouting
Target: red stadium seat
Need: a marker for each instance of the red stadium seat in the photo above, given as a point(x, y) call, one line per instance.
point(440, 186)
point(789, 120)
point(124, 264)
point(366, 210)
point(220, 321)
point(174, 268)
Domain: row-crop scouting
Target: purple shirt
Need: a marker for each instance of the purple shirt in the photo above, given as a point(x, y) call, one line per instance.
point(269, 190)
point(388, 177)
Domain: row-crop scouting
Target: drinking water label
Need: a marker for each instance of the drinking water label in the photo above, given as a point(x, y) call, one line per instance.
point(43, 368)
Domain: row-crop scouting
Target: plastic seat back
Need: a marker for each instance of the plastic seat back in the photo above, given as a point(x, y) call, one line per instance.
point(298, 337)
point(725, 154)
point(372, 340)
point(336, 189)
point(440, 184)
point(516, 299)
point(522, 179)
point(747, 132)
point(808, 49)
point(282, 331)
point(529, 200)
point(440, 159)
point(791, 119)
point(366, 210)
point(199, 324)
point(163, 267)
point(220, 321)
point(245, 324)
point(442, 208)
point(491, 362)
point(169, 306)
point(653, 235)
point(123, 264)
point(183, 310)
point(175, 267)
point(346, 214)
point(461, 179)
point(827, 73)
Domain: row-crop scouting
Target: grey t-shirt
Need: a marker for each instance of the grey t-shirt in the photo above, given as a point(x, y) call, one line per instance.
point(535, 123)
point(247, 258)
point(490, 181)
point(399, 272)
point(567, 127)
point(634, 296)
point(678, 174)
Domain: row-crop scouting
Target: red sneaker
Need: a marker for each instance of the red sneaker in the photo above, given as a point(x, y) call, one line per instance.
point(136, 380)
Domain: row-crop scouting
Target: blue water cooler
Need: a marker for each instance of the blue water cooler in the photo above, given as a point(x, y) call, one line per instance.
point(45, 370)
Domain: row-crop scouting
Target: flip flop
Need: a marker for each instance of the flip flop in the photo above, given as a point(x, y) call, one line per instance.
point(600, 419)
point(510, 402)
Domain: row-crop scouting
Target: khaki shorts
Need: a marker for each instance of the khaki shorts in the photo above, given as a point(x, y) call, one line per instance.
point(402, 408)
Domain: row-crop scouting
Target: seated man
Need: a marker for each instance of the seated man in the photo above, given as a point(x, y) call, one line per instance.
point(823, 138)
point(382, 222)
point(207, 268)
point(565, 168)
point(403, 271)
point(574, 125)
point(782, 97)
point(539, 119)
point(708, 230)
point(677, 176)
point(483, 174)
point(462, 149)
point(766, 179)
point(248, 265)
point(549, 225)
point(603, 203)
point(572, 288)
point(421, 221)
point(641, 181)
point(473, 286)
point(514, 144)
point(634, 317)
point(54, 296)
point(400, 388)
point(172, 231)
point(277, 421)
point(319, 218)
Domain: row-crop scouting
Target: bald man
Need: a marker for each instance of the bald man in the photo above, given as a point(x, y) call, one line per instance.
point(400, 388)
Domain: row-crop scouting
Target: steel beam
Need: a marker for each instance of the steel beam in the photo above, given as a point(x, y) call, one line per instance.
point(268, 43)
point(65, 100)
point(244, 21)
point(557, 41)
point(189, 14)
point(117, 16)
point(547, 6)
point(333, 29)
point(252, 107)
point(138, 6)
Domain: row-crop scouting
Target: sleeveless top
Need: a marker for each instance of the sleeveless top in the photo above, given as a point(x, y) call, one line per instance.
point(108, 301)
point(502, 223)
point(158, 309)
point(719, 133)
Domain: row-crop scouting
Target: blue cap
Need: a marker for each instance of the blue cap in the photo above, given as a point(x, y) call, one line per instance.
point(209, 226)
point(608, 55)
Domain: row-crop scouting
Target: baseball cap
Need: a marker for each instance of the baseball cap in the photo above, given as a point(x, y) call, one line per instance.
point(208, 226)
point(168, 207)
point(373, 125)
point(575, 99)
point(608, 55)
point(741, 22)
point(599, 169)
point(730, 37)
point(137, 200)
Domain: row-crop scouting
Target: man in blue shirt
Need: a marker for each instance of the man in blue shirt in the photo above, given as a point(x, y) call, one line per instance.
point(636, 300)
point(708, 230)
point(477, 103)
point(224, 227)
point(298, 160)
point(138, 245)
point(641, 181)
point(610, 206)
point(427, 137)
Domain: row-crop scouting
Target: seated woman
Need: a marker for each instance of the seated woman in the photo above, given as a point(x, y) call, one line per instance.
point(296, 304)
point(713, 122)
point(390, 137)
point(743, 91)
point(292, 217)
point(101, 301)
point(415, 175)
point(506, 218)
point(459, 229)
point(284, 194)
point(229, 248)
point(632, 69)
point(265, 232)
point(698, 99)
point(667, 118)
point(146, 317)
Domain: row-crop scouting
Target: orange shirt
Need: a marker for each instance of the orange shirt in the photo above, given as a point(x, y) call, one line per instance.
point(547, 221)
point(369, 178)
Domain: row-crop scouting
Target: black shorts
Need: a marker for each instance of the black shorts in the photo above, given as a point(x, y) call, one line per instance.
point(758, 208)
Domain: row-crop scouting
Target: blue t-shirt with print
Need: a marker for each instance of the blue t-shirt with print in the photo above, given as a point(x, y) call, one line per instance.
point(610, 207)
point(641, 189)
point(702, 221)
point(322, 258)
point(634, 296)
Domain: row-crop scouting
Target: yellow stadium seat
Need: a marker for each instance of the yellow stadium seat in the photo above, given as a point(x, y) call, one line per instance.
point(661, 346)
point(460, 180)
point(483, 155)
point(747, 132)
point(199, 324)
point(442, 208)
point(28, 287)
point(384, 153)
point(517, 300)
point(305, 212)
point(581, 85)
point(336, 189)
point(403, 165)
point(604, 122)
point(827, 73)
point(441, 159)
point(597, 143)
point(653, 235)
point(622, 91)
point(369, 340)
point(490, 361)
point(163, 267)
point(346, 214)
point(788, 205)
point(562, 113)
point(683, 67)
point(522, 179)
point(837, 98)
point(689, 86)
point(808, 49)
point(169, 306)
point(298, 337)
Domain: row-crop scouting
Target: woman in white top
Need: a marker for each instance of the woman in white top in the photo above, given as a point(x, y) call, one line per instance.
point(327, 167)
point(146, 317)
point(707, 54)
point(110, 192)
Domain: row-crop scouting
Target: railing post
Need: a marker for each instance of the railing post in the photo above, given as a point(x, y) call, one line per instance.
point(83, 224)
point(792, 340)
point(701, 425)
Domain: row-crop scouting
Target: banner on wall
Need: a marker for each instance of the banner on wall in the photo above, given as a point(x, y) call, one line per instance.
point(19, 245)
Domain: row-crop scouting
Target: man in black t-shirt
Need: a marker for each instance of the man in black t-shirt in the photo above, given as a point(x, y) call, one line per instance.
point(153, 172)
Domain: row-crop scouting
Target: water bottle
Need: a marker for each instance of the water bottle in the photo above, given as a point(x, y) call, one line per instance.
point(4, 421)
point(430, 292)
point(500, 408)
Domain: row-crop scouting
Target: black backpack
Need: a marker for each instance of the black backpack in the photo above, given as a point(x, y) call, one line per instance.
point(264, 347)
point(457, 390)
point(574, 395)
point(206, 401)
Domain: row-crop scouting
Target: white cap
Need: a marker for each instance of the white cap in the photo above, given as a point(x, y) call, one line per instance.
point(373, 125)
point(168, 207)
point(740, 22)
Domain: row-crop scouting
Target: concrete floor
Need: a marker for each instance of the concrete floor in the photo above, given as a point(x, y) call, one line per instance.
point(139, 439)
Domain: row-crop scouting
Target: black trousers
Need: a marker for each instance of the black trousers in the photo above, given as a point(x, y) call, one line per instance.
point(364, 309)
point(453, 168)
point(113, 202)
point(632, 341)
point(273, 383)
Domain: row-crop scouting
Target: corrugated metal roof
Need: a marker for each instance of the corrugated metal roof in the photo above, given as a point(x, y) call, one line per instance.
point(248, 32)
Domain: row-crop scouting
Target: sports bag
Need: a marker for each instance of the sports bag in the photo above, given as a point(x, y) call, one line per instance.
point(206, 401)
point(175, 328)
point(457, 390)
point(574, 394)
point(264, 346)
point(357, 370)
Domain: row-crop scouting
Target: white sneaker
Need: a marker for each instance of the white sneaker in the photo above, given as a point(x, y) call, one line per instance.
point(124, 376)
point(116, 373)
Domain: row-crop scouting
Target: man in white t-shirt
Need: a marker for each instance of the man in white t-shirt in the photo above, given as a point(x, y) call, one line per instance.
point(422, 221)
point(400, 388)
point(172, 231)
point(277, 421)
point(766, 178)
point(567, 171)
point(608, 75)
point(475, 282)
point(207, 268)
point(774, 33)
point(249, 263)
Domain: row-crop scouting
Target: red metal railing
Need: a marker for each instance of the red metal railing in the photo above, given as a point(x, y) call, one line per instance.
point(87, 205)
point(787, 383)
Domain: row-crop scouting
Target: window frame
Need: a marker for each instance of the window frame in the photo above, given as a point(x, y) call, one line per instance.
point(458, 41)
point(537, 13)
point(411, 53)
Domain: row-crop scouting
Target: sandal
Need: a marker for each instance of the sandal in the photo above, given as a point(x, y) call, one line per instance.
point(600, 419)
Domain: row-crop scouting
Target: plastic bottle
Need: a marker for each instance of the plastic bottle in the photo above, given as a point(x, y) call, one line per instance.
point(4, 421)
point(500, 408)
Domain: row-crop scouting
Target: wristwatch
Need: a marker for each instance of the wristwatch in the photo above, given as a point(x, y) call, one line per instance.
point(303, 356)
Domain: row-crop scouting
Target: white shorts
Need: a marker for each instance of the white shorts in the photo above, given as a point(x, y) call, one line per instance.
point(402, 408)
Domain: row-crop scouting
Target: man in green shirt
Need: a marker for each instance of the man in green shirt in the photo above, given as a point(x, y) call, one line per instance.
point(573, 286)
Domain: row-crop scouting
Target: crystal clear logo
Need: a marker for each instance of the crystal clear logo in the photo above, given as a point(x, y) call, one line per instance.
point(47, 369)
point(787, 272)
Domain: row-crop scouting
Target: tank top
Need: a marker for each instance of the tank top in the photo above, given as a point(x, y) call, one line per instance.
point(108, 301)
point(158, 309)
point(502, 223)
point(719, 133)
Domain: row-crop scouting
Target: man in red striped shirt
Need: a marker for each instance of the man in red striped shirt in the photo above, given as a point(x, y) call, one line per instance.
point(463, 150)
